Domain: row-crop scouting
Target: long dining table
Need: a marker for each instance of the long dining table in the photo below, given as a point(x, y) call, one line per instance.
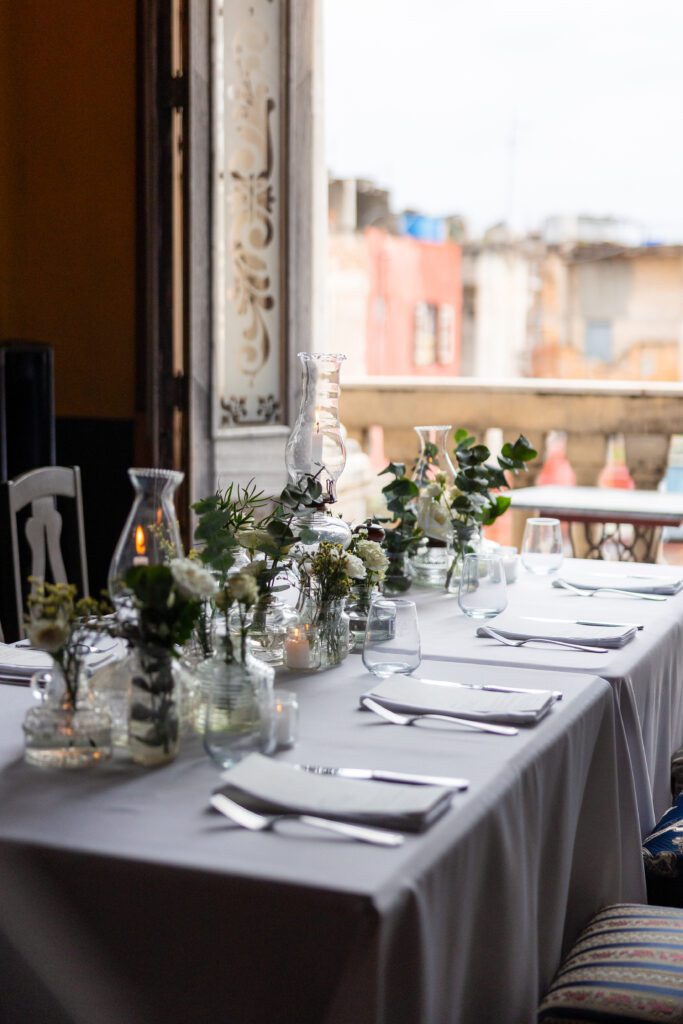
point(646, 675)
point(124, 897)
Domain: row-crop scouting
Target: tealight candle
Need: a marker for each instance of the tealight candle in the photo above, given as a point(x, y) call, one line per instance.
point(286, 715)
point(508, 557)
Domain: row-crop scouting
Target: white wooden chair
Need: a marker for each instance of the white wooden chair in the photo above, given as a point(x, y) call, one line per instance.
point(41, 550)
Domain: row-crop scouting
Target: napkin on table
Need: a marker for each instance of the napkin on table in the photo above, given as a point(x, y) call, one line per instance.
point(641, 583)
point(273, 787)
point(405, 694)
point(519, 628)
point(19, 662)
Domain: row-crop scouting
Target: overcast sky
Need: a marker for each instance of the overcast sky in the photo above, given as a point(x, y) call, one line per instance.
point(511, 109)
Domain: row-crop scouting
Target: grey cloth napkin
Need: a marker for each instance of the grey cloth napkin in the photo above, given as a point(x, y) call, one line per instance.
point(19, 662)
point(641, 583)
point(519, 628)
point(273, 787)
point(414, 696)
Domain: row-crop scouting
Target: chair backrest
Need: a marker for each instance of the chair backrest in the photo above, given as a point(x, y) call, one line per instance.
point(32, 537)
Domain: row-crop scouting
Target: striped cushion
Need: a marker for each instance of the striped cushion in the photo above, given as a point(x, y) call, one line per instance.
point(626, 966)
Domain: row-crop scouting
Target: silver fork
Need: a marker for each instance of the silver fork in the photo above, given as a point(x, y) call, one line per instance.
point(264, 822)
point(564, 585)
point(509, 642)
point(399, 719)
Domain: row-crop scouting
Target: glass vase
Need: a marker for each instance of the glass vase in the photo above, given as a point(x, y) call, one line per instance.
point(154, 707)
point(62, 732)
point(268, 621)
point(468, 541)
point(236, 710)
point(357, 609)
point(332, 624)
point(316, 445)
point(150, 535)
point(430, 563)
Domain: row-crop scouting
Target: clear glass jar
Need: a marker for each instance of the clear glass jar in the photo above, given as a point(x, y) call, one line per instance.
point(357, 609)
point(154, 708)
point(150, 535)
point(61, 732)
point(468, 542)
point(235, 715)
point(268, 621)
point(332, 624)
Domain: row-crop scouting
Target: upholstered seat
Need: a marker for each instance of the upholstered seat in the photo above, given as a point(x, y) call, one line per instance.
point(663, 858)
point(627, 966)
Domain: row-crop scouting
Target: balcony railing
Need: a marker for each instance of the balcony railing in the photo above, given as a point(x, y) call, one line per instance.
point(587, 411)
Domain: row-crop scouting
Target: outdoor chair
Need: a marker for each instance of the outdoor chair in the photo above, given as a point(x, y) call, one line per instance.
point(41, 535)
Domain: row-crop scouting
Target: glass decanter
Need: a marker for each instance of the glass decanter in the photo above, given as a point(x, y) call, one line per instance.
point(151, 535)
point(316, 445)
point(429, 565)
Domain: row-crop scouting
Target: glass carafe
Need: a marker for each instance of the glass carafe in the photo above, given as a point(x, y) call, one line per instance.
point(316, 445)
point(151, 535)
point(434, 473)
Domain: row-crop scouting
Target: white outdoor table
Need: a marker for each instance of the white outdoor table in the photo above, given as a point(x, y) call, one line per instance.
point(646, 675)
point(138, 904)
point(597, 509)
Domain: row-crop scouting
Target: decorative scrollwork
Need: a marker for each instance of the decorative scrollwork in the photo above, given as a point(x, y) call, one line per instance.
point(251, 200)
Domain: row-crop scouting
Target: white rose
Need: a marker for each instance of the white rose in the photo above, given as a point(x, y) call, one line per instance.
point(433, 518)
point(431, 491)
point(353, 566)
point(372, 555)
point(192, 580)
point(48, 634)
point(243, 588)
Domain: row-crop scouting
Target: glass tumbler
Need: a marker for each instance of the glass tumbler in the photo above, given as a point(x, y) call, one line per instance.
point(542, 549)
point(483, 592)
point(392, 637)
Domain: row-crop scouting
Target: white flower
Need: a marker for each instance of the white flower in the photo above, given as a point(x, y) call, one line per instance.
point(372, 556)
point(432, 490)
point(192, 580)
point(48, 634)
point(252, 538)
point(242, 587)
point(353, 566)
point(433, 518)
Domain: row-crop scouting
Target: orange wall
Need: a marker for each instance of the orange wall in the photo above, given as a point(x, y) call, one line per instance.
point(67, 194)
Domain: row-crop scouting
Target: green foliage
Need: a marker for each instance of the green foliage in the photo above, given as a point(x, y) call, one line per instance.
point(165, 617)
point(220, 517)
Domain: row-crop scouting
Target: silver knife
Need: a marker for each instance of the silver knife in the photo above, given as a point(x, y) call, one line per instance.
point(584, 622)
point(557, 694)
point(386, 776)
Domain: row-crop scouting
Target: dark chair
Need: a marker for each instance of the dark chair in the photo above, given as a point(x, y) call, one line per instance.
point(626, 967)
point(41, 535)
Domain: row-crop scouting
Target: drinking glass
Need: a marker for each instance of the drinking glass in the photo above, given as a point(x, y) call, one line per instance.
point(483, 592)
point(392, 638)
point(542, 546)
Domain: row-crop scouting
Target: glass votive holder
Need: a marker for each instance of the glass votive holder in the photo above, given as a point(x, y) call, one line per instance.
point(302, 650)
point(286, 718)
point(510, 560)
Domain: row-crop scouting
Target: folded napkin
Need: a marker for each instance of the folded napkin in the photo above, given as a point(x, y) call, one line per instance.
point(272, 787)
point(641, 583)
point(19, 662)
point(404, 694)
point(519, 628)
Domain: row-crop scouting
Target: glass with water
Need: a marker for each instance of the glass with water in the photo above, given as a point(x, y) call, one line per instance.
point(392, 638)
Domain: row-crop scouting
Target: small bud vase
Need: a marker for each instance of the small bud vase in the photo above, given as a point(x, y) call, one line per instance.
point(67, 729)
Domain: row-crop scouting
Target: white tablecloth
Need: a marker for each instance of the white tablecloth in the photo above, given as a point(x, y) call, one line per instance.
point(646, 675)
point(122, 889)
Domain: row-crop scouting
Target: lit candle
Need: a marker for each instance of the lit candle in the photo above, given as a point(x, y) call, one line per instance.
point(508, 557)
point(297, 649)
point(140, 547)
point(317, 444)
point(286, 712)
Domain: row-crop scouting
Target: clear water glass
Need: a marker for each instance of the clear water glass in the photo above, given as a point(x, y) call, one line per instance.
point(483, 591)
point(392, 637)
point(542, 547)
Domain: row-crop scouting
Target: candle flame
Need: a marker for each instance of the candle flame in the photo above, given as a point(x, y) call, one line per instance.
point(140, 546)
point(317, 421)
point(159, 515)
